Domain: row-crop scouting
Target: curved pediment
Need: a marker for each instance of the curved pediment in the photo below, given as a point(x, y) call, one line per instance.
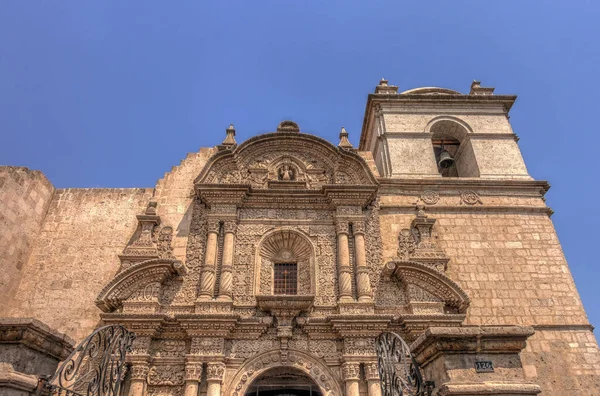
point(286, 159)
point(135, 277)
point(431, 281)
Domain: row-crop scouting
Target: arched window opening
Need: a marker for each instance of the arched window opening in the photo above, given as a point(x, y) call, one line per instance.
point(453, 151)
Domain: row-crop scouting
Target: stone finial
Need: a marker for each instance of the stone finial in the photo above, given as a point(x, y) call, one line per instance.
point(288, 126)
point(477, 89)
point(344, 142)
point(151, 208)
point(384, 88)
point(230, 138)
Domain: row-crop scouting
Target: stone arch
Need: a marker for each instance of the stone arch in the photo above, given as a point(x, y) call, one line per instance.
point(136, 277)
point(453, 129)
point(250, 163)
point(430, 280)
point(445, 118)
point(285, 244)
point(253, 368)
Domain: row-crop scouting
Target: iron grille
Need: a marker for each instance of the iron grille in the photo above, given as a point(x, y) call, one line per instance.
point(285, 278)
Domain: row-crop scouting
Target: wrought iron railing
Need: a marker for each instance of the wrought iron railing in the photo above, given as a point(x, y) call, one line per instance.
point(399, 373)
point(95, 368)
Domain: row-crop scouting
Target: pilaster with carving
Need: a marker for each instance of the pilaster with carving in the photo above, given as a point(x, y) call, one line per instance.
point(208, 277)
point(344, 269)
point(363, 283)
point(351, 375)
point(225, 285)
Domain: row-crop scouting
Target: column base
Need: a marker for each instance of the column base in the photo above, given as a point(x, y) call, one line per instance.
point(346, 299)
point(224, 298)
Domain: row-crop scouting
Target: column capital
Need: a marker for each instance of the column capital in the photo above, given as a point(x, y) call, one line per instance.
point(341, 227)
point(372, 371)
point(213, 225)
point(351, 371)
point(139, 371)
point(230, 226)
point(193, 371)
point(215, 372)
point(358, 227)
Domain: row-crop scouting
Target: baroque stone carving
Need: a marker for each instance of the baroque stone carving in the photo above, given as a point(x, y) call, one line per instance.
point(139, 371)
point(406, 243)
point(215, 372)
point(430, 197)
point(470, 197)
point(207, 346)
point(351, 371)
point(170, 348)
point(171, 375)
point(193, 371)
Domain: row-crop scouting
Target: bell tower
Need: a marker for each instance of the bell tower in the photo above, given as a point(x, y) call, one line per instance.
point(434, 132)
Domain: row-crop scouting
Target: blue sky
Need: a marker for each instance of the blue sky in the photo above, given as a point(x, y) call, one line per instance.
point(112, 94)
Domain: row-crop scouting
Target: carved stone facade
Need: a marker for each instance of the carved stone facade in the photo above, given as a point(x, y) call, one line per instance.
point(360, 241)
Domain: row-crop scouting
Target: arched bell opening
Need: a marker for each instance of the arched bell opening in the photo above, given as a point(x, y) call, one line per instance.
point(283, 381)
point(454, 155)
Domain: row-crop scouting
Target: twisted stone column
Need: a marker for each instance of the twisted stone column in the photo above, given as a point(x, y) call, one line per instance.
point(214, 376)
point(351, 372)
point(225, 291)
point(207, 280)
point(363, 283)
point(344, 270)
point(372, 374)
point(139, 375)
point(193, 374)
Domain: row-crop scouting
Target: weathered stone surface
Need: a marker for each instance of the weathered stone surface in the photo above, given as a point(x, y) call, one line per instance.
point(465, 263)
point(24, 199)
point(29, 349)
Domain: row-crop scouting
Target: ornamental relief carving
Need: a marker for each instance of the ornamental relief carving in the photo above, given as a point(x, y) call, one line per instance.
point(359, 346)
point(171, 375)
point(169, 348)
point(207, 346)
point(165, 390)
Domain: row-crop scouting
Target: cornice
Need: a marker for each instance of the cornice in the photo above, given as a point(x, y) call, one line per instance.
point(463, 183)
point(449, 100)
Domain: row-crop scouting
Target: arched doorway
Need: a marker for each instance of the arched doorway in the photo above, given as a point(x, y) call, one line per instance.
point(283, 381)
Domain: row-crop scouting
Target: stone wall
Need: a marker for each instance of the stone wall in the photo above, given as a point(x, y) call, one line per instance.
point(75, 256)
point(24, 199)
point(563, 362)
point(513, 269)
point(175, 193)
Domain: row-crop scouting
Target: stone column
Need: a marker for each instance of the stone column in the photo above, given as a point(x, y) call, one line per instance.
point(193, 374)
point(207, 281)
point(344, 270)
point(214, 376)
point(225, 291)
point(363, 283)
point(139, 375)
point(351, 372)
point(372, 374)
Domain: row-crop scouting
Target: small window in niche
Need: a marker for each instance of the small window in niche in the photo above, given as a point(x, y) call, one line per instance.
point(285, 278)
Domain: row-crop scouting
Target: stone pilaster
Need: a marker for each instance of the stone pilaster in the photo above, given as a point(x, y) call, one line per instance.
point(351, 375)
point(344, 270)
point(193, 374)
point(214, 375)
point(139, 376)
point(207, 281)
point(363, 283)
point(372, 375)
point(225, 291)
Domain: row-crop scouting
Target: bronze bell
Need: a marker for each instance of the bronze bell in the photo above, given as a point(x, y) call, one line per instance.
point(446, 160)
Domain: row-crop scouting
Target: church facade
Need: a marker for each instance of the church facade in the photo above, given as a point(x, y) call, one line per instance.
point(268, 267)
